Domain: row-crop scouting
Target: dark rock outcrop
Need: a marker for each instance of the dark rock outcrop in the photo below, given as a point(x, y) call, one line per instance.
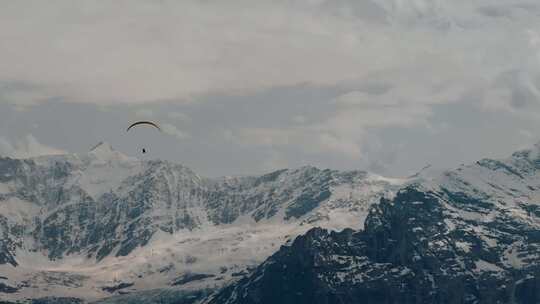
point(190, 277)
point(111, 289)
point(467, 237)
point(4, 288)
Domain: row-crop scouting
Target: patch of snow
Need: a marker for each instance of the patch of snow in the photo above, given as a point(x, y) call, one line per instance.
point(482, 265)
point(512, 258)
point(464, 246)
point(5, 188)
point(450, 224)
point(391, 181)
point(18, 210)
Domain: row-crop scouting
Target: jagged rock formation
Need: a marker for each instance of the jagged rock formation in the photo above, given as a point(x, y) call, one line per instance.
point(468, 236)
point(101, 206)
point(104, 201)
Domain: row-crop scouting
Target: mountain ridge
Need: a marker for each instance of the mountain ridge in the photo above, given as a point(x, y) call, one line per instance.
point(471, 235)
point(453, 238)
point(77, 214)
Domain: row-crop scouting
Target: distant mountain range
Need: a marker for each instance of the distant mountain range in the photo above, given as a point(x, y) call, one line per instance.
point(101, 224)
point(471, 235)
point(106, 228)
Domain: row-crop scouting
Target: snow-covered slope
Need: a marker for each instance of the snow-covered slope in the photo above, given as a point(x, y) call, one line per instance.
point(471, 235)
point(98, 224)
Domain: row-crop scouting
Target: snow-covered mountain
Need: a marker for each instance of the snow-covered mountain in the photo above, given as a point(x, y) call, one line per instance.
point(470, 235)
point(98, 224)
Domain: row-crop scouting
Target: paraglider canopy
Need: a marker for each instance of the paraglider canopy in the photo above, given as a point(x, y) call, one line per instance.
point(138, 123)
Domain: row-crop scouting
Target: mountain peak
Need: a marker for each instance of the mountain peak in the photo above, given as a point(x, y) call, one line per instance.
point(102, 146)
point(105, 151)
point(532, 153)
point(536, 151)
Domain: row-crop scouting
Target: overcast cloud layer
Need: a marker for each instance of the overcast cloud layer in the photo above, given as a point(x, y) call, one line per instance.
point(243, 87)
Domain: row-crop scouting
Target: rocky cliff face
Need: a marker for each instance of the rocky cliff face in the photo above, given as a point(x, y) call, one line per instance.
point(469, 236)
point(105, 201)
point(102, 224)
point(103, 217)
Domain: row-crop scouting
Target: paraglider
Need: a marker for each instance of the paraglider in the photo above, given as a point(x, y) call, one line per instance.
point(138, 123)
point(144, 123)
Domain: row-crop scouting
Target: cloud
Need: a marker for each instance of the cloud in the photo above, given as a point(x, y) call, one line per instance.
point(144, 113)
point(515, 91)
point(21, 95)
point(174, 131)
point(151, 51)
point(26, 147)
point(303, 80)
point(344, 131)
point(300, 119)
point(179, 116)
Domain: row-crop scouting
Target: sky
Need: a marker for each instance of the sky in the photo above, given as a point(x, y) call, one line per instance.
point(246, 87)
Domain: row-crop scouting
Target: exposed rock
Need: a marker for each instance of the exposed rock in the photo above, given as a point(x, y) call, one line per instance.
point(190, 277)
point(4, 288)
point(159, 296)
point(106, 204)
point(111, 289)
point(465, 237)
point(56, 300)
